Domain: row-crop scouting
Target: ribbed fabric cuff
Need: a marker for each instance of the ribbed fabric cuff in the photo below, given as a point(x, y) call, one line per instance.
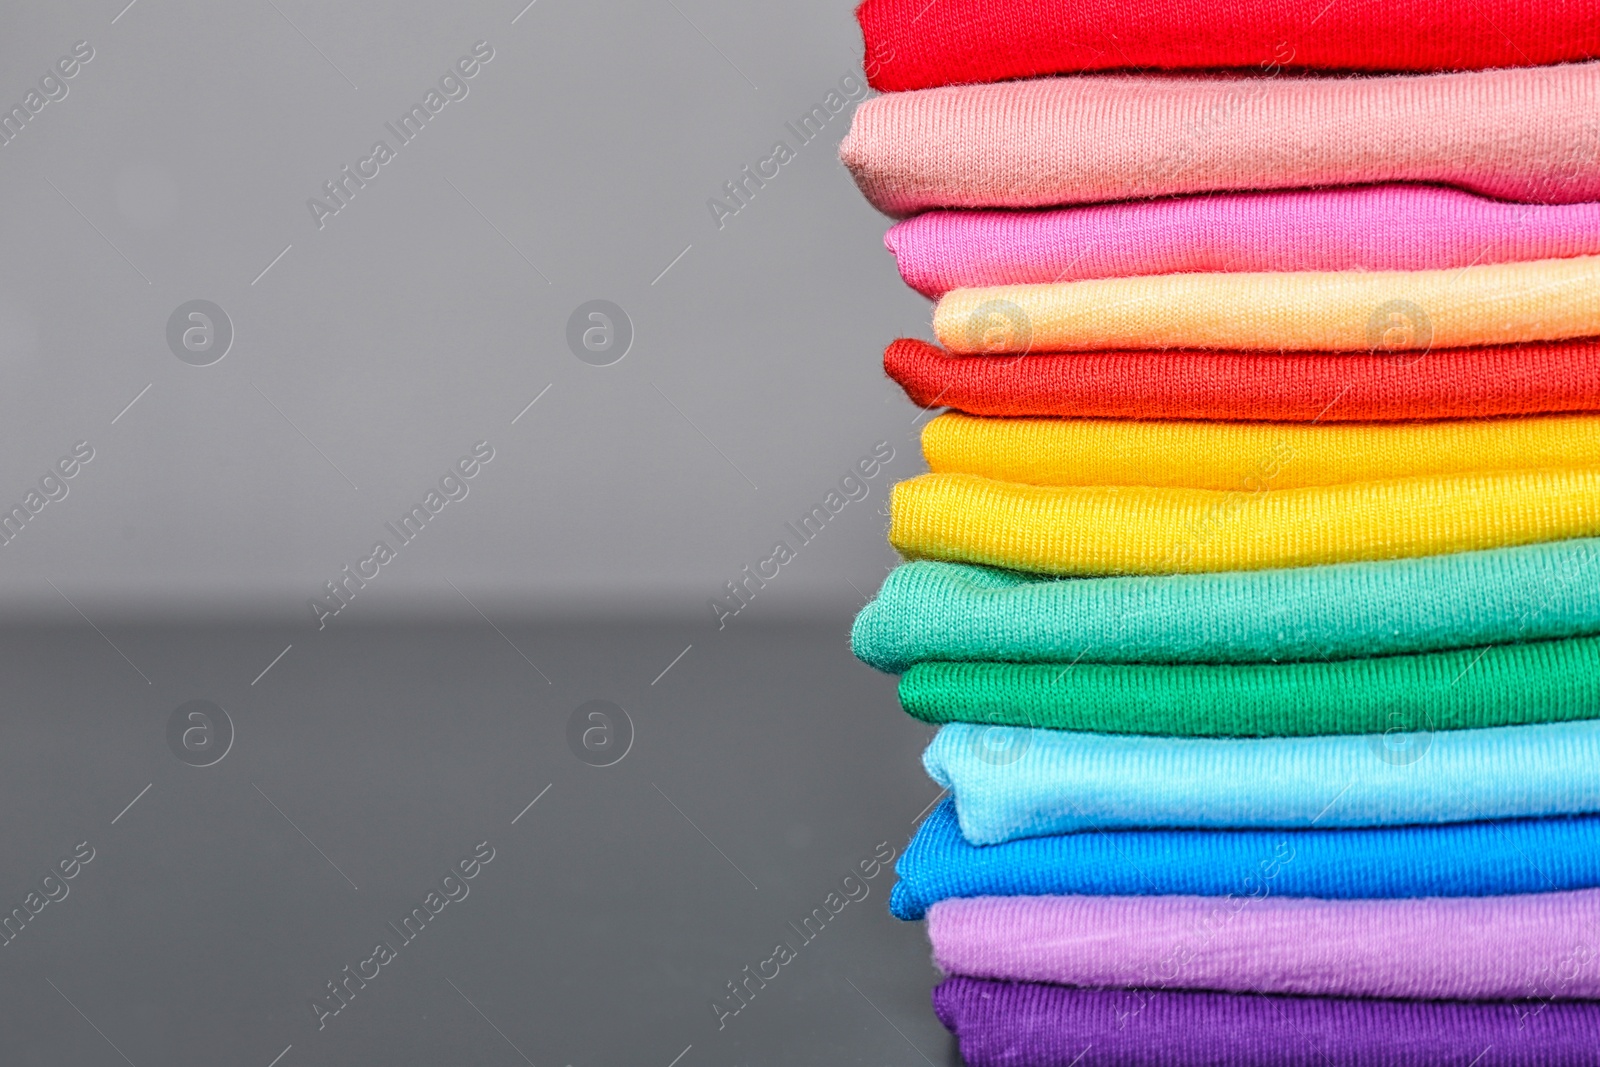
point(1231, 455)
point(1388, 227)
point(1449, 860)
point(1011, 782)
point(912, 44)
point(1502, 685)
point(1015, 1024)
point(1462, 383)
point(1536, 946)
point(1087, 530)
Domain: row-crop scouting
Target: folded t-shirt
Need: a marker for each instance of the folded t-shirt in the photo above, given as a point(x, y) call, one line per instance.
point(1458, 383)
point(1012, 1024)
point(1542, 946)
point(1207, 454)
point(1137, 529)
point(1446, 860)
point(1011, 782)
point(1395, 696)
point(933, 611)
point(1384, 227)
point(913, 44)
point(1398, 312)
point(1523, 134)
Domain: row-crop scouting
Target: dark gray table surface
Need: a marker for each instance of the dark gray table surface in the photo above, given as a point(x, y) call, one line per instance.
point(764, 766)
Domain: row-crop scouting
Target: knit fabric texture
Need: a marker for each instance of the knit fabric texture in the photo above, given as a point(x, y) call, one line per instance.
point(1397, 696)
point(912, 44)
point(1443, 384)
point(1442, 948)
point(1143, 530)
point(1387, 227)
point(1523, 134)
point(1446, 860)
point(928, 610)
point(1019, 1024)
point(1310, 311)
point(1231, 455)
point(1010, 782)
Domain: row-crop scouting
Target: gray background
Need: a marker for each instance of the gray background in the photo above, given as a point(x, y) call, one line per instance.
point(411, 325)
point(368, 356)
point(765, 766)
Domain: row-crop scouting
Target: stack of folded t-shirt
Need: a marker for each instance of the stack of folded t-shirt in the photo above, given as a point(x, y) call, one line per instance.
point(1255, 587)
